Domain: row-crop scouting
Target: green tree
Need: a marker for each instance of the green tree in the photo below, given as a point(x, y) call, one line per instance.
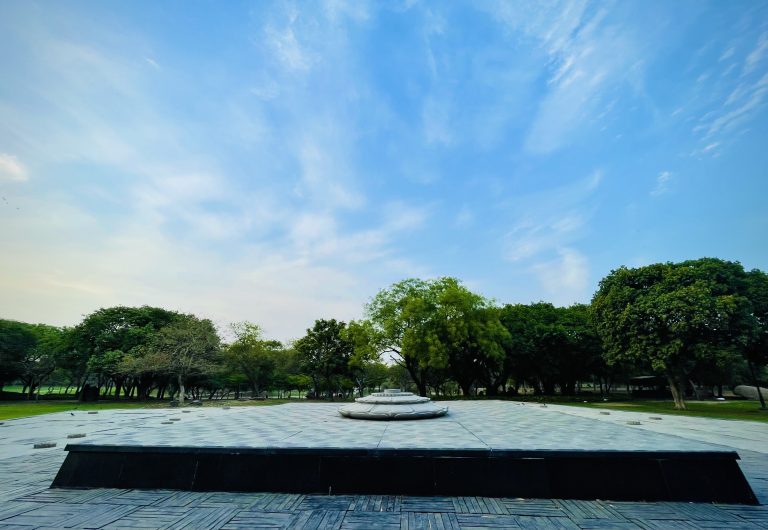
point(400, 315)
point(437, 327)
point(16, 339)
point(117, 330)
point(674, 316)
point(187, 347)
point(287, 367)
point(324, 353)
point(550, 346)
point(365, 356)
point(253, 356)
point(29, 353)
point(471, 335)
point(756, 345)
point(40, 361)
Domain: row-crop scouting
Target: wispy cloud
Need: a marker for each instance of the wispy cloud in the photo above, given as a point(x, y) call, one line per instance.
point(727, 54)
point(586, 56)
point(663, 181)
point(758, 54)
point(11, 168)
point(543, 240)
point(465, 217)
point(730, 109)
point(185, 227)
point(287, 48)
point(565, 278)
point(152, 63)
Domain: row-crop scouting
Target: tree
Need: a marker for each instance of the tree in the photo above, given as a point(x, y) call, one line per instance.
point(673, 316)
point(756, 346)
point(253, 356)
point(324, 353)
point(471, 335)
point(435, 328)
point(188, 346)
point(365, 358)
point(399, 316)
point(117, 330)
point(375, 374)
point(29, 352)
point(40, 361)
point(16, 338)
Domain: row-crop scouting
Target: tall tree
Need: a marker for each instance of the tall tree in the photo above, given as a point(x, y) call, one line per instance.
point(252, 355)
point(189, 346)
point(674, 315)
point(29, 352)
point(324, 353)
point(117, 330)
point(756, 346)
point(471, 335)
point(402, 318)
point(16, 339)
point(437, 327)
point(366, 357)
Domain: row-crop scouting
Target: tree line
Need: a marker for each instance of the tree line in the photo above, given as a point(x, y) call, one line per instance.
point(696, 323)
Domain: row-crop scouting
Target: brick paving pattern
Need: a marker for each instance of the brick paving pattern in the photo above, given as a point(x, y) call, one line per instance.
point(26, 502)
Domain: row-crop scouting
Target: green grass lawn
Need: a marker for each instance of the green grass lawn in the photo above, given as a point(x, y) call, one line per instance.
point(22, 409)
point(724, 410)
point(727, 410)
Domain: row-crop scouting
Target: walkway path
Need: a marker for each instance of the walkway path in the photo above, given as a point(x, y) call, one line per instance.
point(27, 503)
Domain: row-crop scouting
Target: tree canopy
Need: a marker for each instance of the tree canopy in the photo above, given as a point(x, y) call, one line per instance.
point(675, 316)
point(698, 323)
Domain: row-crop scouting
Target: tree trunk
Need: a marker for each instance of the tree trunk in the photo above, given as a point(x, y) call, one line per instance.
point(677, 396)
point(696, 391)
point(757, 385)
point(181, 390)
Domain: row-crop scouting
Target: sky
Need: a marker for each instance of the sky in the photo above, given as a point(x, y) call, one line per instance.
point(283, 162)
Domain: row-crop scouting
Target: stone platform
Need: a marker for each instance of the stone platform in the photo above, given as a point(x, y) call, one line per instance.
point(495, 449)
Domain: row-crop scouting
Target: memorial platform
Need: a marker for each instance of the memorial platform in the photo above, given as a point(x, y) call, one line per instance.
point(482, 448)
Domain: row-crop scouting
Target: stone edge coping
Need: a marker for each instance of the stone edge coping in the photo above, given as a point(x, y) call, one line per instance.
point(415, 452)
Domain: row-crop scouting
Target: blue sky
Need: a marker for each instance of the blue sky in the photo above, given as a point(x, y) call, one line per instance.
point(283, 162)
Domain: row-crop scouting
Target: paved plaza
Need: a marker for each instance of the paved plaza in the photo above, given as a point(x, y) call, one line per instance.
point(26, 502)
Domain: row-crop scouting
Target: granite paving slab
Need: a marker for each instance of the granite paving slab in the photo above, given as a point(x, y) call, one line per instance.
point(469, 425)
point(26, 502)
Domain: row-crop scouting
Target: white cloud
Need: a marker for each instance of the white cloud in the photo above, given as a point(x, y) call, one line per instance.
point(12, 169)
point(663, 180)
point(337, 10)
point(586, 57)
point(281, 241)
point(287, 49)
point(465, 217)
point(62, 263)
point(757, 55)
point(436, 116)
point(542, 241)
point(746, 98)
point(530, 238)
point(565, 278)
point(326, 178)
point(727, 54)
point(729, 111)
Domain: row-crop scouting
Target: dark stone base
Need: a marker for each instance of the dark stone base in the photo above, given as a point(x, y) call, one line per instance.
point(609, 475)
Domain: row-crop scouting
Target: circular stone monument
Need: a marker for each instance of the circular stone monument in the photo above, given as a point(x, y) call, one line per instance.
point(392, 404)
